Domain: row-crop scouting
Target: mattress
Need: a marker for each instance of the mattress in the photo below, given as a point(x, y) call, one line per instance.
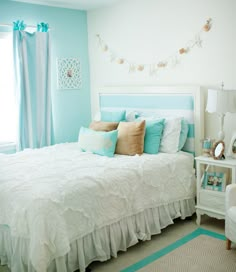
point(56, 195)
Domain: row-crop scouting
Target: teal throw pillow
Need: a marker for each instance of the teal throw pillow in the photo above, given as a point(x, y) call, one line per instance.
point(153, 134)
point(113, 116)
point(98, 142)
point(183, 133)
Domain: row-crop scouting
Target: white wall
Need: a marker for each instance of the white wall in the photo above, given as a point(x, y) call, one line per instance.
point(149, 30)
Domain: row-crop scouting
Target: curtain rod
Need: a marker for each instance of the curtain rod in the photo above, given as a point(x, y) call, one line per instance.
point(29, 26)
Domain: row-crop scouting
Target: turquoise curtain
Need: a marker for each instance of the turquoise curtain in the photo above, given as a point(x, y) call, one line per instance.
point(32, 62)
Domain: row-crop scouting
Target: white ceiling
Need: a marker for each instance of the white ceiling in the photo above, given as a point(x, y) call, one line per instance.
point(73, 4)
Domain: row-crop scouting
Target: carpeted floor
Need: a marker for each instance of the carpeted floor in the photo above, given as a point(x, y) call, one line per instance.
point(201, 250)
point(168, 236)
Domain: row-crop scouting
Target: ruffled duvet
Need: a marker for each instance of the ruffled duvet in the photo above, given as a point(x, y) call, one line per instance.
point(55, 197)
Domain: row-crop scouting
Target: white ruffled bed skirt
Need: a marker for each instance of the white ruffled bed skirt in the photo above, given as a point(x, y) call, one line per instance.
point(99, 245)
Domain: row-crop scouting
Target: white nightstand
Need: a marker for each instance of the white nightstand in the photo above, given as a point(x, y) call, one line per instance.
point(211, 201)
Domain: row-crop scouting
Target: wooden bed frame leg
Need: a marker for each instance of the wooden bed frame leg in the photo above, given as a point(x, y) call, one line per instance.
point(228, 244)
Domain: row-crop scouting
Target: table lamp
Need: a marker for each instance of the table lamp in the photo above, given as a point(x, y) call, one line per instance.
point(220, 102)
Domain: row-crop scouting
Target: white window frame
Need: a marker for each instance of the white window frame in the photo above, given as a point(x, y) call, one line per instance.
point(7, 147)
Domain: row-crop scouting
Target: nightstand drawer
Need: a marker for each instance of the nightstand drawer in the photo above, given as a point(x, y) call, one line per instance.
point(212, 199)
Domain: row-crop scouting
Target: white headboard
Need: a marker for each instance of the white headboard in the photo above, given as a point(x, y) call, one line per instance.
point(186, 101)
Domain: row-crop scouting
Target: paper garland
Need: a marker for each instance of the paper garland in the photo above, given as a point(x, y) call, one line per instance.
point(171, 60)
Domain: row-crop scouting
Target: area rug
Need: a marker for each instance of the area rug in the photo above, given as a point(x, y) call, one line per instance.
point(200, 251)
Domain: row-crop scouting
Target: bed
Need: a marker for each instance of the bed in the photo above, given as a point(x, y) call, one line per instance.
point(62, 208)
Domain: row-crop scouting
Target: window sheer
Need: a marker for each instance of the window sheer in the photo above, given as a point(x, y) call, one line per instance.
point(8, 120)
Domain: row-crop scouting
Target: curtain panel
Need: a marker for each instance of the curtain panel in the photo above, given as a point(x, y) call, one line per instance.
point(32, 64)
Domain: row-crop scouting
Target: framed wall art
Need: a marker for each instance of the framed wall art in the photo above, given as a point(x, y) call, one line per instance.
point(68, 73)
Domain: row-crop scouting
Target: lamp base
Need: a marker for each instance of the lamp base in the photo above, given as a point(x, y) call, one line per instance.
point(221, 135)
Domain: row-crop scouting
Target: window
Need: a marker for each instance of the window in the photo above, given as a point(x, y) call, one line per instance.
point(8, 120)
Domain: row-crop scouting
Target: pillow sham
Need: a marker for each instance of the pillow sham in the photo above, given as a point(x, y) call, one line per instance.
point(153, 134)
point(130, 138)
point(98, 142)
point(103, 126)
point(113, 116)
point(171, 135)
point(183, 133)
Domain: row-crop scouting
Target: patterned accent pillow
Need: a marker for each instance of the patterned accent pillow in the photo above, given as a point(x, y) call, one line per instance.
point(98, 142)
point(103, 126)
point(130, 138)
point(171, 134)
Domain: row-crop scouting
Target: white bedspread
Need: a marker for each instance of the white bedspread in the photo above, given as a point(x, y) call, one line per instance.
point(58, 194)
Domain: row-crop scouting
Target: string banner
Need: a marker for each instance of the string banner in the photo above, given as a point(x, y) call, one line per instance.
point(154, 68)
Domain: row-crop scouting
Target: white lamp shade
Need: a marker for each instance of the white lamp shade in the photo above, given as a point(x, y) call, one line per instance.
point(220, 101)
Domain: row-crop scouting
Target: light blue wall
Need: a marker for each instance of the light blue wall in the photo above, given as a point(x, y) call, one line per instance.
point(71, 108)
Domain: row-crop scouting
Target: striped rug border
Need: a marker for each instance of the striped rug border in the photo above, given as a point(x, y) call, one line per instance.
point(153, 257)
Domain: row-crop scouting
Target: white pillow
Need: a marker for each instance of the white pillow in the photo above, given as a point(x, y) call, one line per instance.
point(171, 134)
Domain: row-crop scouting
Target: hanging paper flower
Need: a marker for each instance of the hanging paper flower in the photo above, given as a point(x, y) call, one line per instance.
point(140, 67)
point(182, 51)
point(161, 64)
point(207, 26)
point(120, 61)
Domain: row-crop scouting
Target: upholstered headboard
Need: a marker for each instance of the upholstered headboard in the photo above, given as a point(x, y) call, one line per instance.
point(185, 101)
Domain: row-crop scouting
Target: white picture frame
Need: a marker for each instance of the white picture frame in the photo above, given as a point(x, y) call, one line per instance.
point(68, 74)
point(232, 147)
